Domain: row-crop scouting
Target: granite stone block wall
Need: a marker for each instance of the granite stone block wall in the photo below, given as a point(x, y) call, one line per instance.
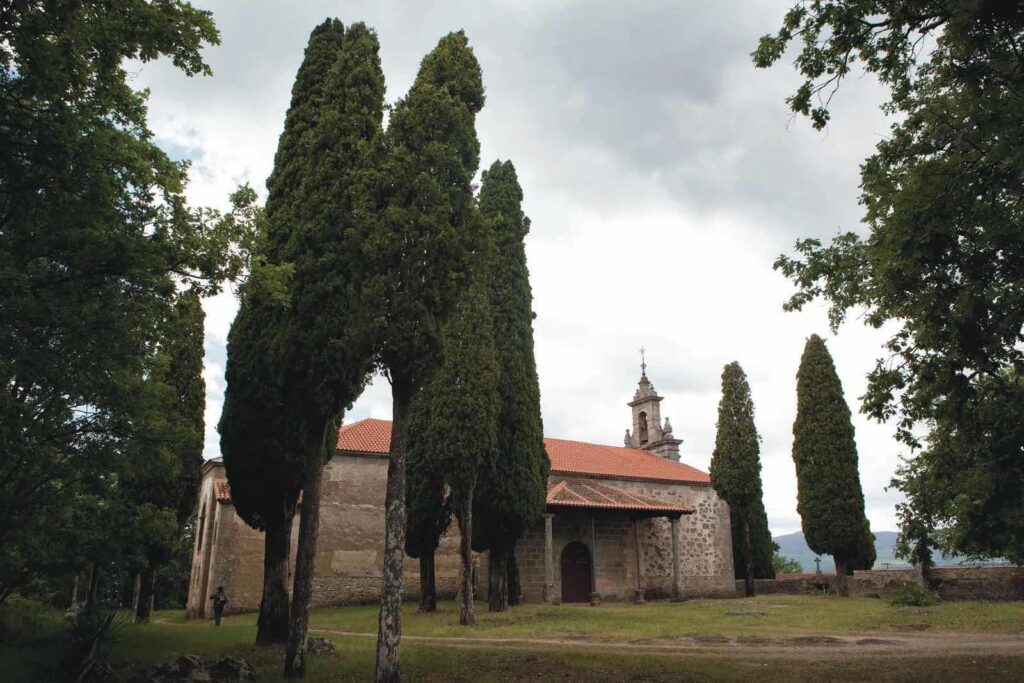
point(705, 546)
point(951, 583)
point(349, 554)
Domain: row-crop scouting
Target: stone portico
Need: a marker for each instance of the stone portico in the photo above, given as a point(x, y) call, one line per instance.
point(622, 523)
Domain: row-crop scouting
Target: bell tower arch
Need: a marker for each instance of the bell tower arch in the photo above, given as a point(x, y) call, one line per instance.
point(648, 431)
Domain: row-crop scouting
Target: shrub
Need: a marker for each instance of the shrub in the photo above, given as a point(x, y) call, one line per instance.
point(22, 620)
point(912, 595)
point(93, 633)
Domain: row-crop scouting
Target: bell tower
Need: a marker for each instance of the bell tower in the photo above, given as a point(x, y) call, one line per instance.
point(648, 431)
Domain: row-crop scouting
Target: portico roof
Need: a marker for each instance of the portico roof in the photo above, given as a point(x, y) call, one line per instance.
point(590, 495)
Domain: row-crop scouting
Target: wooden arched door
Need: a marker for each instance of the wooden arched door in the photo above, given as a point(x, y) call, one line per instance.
point(576, 573)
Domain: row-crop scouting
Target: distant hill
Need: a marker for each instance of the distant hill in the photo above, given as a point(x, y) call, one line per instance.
point(794, 546)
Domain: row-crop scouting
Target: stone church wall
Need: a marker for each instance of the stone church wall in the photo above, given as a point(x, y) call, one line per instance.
point(350, 547)
point(705, 546)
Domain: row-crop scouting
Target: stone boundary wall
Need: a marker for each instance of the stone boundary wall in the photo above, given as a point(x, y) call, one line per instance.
point(951, 583)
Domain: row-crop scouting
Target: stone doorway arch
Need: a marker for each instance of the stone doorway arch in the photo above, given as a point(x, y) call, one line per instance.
point(576, 573)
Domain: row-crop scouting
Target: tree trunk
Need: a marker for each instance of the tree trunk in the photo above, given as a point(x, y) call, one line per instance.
point(74, 591)
point(144, 601)
point(497, 579)
point(389, 629)
point(467, 615)
point(748, 557)
point(135, 592)
point(91, 598)
point(272, 624)
point(842, 585)
point(512, 587)
point(305, 554)
point(428, 585)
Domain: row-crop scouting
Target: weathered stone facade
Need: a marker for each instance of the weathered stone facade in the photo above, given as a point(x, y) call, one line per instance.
point(630, 536)
point(350, 547)
point(705, 546)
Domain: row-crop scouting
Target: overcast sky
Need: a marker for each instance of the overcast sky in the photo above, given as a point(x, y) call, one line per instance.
point(662, 173)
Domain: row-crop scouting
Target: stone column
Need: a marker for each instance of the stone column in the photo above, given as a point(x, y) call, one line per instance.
point(549, 560)
point(638, 595)
point(677, 573)
point(595, 597)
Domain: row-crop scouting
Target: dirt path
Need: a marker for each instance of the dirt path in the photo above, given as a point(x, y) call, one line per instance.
point(805, 647)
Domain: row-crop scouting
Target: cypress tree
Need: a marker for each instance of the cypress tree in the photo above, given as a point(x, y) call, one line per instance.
point(323, 347)
point(178, 371)
point(735, 462)
point(512, 488)
point(419, 257)
point(454, 427)
point(262, 435)
point(829, 496)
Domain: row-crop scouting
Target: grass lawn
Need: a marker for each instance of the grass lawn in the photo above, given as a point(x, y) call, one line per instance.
point(611, 642)
point(772, 615)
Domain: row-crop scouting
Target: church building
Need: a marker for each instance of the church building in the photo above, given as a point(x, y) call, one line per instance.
point(622, 523)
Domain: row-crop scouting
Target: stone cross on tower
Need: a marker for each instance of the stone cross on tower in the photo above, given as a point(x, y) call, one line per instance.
point(648, 431)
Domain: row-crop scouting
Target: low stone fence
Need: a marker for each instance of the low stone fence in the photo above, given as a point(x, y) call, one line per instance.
point(951, 583)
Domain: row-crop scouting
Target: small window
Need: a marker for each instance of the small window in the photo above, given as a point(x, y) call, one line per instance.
point(642, 428)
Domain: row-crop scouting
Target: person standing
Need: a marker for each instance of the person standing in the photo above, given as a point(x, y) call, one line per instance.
point(220, 599)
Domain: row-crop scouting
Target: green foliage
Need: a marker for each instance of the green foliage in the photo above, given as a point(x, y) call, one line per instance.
point(912, 595)
point(760, 540)
point(735, 463)
point(265, 435)
point(785, 565)
point(160, 468)
point(94, 633)
point(512, 490)
point(943, 257)
point(736, 473)
point(965, 490)
point(418, 258)
point(864, 553)
point(96, 239)
point(453, 423)
point(829, 496)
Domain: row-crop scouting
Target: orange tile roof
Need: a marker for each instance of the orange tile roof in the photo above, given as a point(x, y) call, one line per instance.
point(618, 462)
point(591, 495)
point(567, 457)
point(222, 491)
point(366, 436)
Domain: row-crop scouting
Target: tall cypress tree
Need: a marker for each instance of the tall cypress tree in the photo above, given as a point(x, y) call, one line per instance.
point(177, 377)
point(322, 347)
point(453, 428)
point(420, 260)
point(829, 496)
point(512, 489)
point(735, 462)
point(262, 435)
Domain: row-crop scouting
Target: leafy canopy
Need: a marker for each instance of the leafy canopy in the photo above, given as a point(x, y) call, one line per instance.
point(943, 259)
point(96, 239)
